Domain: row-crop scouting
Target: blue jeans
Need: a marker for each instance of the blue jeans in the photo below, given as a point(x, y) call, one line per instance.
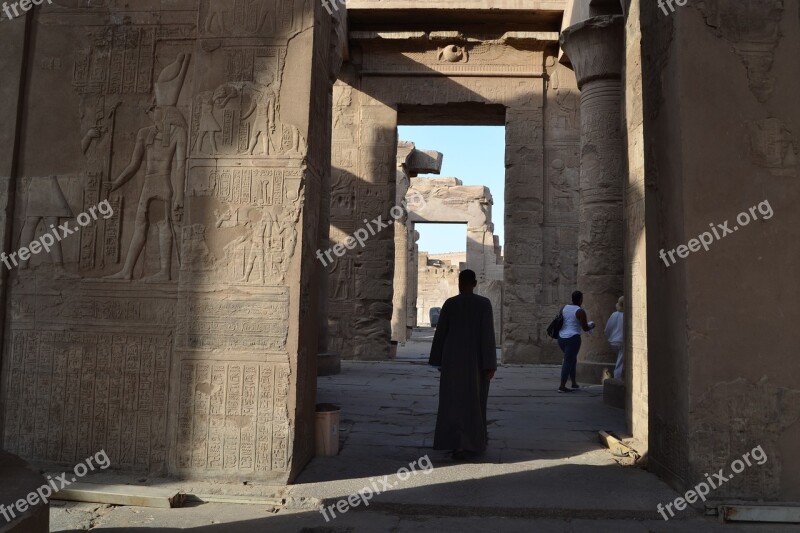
point(570, 347)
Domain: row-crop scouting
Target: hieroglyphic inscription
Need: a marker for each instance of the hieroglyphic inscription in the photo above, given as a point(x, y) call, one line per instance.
point(233, 416)
point(111, 241)
point(89, 234)
point(250, 322)
point(123, 64)
point(245, 186)
point(71, 394)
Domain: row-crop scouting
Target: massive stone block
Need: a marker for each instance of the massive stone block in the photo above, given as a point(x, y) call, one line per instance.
point(363, 182)
point(721, 119)
point(169, 332)
point(636, 209)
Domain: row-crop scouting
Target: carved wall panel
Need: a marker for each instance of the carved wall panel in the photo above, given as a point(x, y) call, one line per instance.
point(190, 290)
point(233, 417)
point(363, 179)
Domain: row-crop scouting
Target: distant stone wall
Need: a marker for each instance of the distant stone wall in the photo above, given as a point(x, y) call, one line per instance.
point(437, 281)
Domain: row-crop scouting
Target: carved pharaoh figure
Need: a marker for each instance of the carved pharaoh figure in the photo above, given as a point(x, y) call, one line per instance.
point(162, 148)
point(208, 125)
point(263, 106)
point(262, 224)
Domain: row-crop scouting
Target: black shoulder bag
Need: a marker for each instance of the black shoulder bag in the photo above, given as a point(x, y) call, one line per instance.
point(555, 326)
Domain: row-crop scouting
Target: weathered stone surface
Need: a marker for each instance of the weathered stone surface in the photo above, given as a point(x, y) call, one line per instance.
point(636, 360)
point(447, 200)
point(410, 163)
point(716, 389)
point(181, 333)
point(364, 177)
point(168, 333)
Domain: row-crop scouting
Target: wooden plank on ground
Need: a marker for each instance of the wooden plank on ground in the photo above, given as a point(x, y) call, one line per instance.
point(135, 495)
point(616, 446)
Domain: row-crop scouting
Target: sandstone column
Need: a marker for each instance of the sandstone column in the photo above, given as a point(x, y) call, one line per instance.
point(400, 298)
point(524, 215)
point(401, 280)
point(413, 271)
point(363, 189)
point(595, 49)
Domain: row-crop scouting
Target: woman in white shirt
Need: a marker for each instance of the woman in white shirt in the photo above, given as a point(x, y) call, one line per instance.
point(569, 339)
point(615, 335)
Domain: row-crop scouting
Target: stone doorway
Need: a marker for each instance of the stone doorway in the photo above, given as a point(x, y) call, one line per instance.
point(514, 81)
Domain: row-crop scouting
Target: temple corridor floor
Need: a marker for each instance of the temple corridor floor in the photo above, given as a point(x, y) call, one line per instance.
point(544, 469)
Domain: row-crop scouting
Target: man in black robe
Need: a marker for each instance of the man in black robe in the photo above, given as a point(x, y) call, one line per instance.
point(464, 350)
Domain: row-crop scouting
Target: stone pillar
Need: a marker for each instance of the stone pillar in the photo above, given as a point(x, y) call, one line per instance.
point(328, 362)
point(636, 353)
point(522, 272)
point(14, 40)
point(595, 49)
point(723, 377)
point(413, 282)
point(401, 281)
point(401, 278)
point(400, 297)
point(363, 189)
point(180, 325)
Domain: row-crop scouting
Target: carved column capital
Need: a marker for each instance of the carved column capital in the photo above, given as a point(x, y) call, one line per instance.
point(596, 48)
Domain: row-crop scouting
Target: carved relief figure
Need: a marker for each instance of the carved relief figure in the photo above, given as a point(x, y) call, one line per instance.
point(46, 202)
point(208, 125)
point(261, 230)
point(264, 106)
point(162, 147)
point(287, 238)
point(454, 54)
point(195, 250)
point(341, 276)
point(567, 99)
point(564, 188)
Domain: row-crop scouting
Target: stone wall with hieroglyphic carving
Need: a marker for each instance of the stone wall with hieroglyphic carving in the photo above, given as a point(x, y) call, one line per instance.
point(169, 334)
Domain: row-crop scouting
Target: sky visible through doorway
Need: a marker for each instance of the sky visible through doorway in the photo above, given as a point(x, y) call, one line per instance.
point(476, 156)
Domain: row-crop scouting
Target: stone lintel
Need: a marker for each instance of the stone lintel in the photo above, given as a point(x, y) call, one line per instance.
point(425, 162)
point(541, 38)
point(594, 48)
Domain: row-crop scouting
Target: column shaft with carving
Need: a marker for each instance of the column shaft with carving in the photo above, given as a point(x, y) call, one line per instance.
point(595, 48)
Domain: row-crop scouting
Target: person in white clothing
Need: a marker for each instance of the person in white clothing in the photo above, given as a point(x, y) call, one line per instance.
point(575, 323)
point(615, 336)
